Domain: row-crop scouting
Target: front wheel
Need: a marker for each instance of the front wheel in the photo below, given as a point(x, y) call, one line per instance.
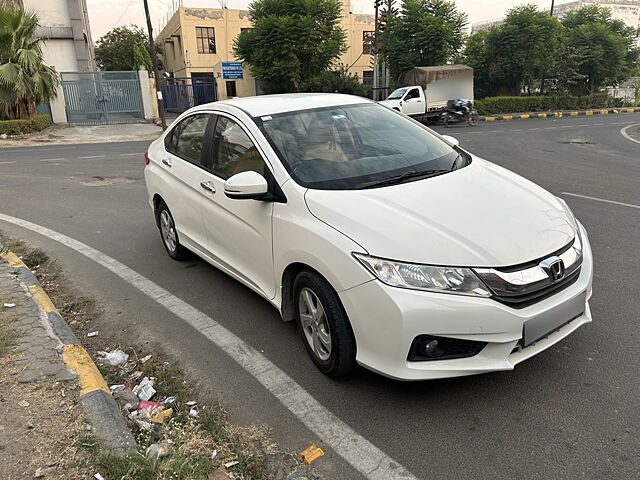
point(323, 325)
point(448, 119)
point(473, 118)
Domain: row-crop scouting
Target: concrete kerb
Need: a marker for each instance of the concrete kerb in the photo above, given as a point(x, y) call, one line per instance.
point(99, 407)
point(559, 114)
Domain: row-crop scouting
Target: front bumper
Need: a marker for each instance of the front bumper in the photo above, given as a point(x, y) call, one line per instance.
point(385, 321)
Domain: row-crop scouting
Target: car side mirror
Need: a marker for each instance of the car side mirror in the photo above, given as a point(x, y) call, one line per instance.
point(246, 186)
point(452, 140)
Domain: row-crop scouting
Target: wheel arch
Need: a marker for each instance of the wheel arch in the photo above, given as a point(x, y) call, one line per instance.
point(156, 201)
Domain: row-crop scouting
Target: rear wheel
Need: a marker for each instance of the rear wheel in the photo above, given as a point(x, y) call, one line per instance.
point(473, 118)
point(448, 120)
point(169, 234)
point(323, 325)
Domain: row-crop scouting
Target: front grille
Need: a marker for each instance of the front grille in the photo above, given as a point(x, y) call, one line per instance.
point(522, 301)
point(522, 285)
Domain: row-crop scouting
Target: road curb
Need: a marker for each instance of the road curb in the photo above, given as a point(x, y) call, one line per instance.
point(101, 410)
point(558, 114)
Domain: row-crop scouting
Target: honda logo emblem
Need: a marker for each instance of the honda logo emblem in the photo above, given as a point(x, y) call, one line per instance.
point(554, 267)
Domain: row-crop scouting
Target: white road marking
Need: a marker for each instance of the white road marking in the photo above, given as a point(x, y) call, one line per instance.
point(7, 162)
point(365, 457)
point(626, 135)
point(128, 154)
point(602, 200)
point(94, 156)
point(52, 159)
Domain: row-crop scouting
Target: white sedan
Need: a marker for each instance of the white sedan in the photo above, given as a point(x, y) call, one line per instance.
point(392, 247)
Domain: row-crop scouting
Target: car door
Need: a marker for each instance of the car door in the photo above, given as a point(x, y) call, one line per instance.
point(412, 102)
point(239, 232)
point(183, 165)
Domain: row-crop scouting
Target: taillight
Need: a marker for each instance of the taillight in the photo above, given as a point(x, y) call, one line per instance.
point(147, 160)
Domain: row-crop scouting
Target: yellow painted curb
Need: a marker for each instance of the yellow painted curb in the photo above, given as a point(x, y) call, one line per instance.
point(615, 111)
point(489, 119)
point(77, 359)
point(604, 112)
point(588, 112)
point(557, 114)
point(13, 260)
point(631, 110)
point(42, 299)
point(542, 115)
point(507, 117)
point(525, 116)
point(574, 114)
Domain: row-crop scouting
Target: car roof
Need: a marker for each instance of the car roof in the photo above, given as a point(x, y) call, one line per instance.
point(289, 102)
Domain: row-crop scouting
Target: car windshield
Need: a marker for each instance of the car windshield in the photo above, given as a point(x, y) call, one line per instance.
point(396, 94)
point(357, 146)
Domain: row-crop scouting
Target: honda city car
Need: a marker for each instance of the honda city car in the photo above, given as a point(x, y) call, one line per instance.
point(391, 246)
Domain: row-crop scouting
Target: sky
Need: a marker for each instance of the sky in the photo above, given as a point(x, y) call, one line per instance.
point(106, 14)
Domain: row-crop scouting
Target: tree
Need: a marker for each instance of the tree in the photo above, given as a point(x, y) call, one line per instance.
point(116, 49)
point(25, 80)
point(516, 54)
point(291, 41)
point(426, 33)
point(608, 53)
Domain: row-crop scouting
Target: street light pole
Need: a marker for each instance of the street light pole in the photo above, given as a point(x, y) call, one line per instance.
point(552, 2)
point(154, 61)
point(376, 64)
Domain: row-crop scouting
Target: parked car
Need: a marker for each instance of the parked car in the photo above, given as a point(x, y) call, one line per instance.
point(392, 247)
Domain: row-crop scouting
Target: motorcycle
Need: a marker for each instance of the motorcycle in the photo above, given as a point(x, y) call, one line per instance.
point(460, 114)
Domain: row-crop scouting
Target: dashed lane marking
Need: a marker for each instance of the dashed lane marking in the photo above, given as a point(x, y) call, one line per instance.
point(356, 450)
point(52, 159)
point(630, 205)
point(93, 156)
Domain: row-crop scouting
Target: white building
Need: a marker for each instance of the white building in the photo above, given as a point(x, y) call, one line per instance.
point(626, 10)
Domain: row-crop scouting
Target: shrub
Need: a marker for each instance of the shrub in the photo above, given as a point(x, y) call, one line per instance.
point(20, 127)
point(541, 103)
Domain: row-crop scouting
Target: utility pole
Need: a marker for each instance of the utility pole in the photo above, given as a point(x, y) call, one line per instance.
point(154, 61)
point(552, 2)
point(376, 46)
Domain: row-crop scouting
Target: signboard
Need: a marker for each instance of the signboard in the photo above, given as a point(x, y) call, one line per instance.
point(232, 70)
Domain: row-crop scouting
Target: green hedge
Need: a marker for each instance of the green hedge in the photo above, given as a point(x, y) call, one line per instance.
point(19, 127)
point(540, 103)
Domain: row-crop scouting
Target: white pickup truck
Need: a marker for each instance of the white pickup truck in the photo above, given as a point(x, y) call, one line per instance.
point(430, 89)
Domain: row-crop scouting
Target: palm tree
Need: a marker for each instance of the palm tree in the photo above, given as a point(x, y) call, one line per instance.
point(25, 80)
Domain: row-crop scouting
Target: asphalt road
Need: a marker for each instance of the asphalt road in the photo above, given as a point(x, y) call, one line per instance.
point(571, 412)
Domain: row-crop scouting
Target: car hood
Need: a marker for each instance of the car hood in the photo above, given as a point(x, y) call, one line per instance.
point(390, 103)
point(479, 216)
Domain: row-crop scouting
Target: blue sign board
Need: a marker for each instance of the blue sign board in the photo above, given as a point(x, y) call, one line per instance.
point(232, 70)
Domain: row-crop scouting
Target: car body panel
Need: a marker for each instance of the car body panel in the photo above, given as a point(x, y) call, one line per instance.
point(479, 215)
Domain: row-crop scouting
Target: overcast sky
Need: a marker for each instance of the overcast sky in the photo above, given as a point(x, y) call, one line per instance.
point(106, 14)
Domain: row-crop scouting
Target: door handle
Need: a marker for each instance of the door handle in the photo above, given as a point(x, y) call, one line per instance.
point(167, 162)
point(208, 186)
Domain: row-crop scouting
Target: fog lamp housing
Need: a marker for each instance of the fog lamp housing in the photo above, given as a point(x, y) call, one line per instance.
point(429, 347)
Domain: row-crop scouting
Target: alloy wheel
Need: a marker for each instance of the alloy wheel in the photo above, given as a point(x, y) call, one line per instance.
point(168, 231)
point(314, 323)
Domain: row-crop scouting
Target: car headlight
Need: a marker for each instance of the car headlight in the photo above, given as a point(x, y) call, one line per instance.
point(456, 280)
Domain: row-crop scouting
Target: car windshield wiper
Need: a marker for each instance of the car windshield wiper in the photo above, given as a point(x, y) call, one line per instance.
point(399, 178)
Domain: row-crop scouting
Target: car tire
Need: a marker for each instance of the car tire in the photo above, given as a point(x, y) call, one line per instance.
point(168, 233)
point(340, 358)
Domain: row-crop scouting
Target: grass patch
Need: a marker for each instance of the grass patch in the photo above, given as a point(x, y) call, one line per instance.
point(8, 335)
point(34, 257)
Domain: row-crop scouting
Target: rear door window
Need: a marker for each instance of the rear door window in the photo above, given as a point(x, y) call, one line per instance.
point(186, 140)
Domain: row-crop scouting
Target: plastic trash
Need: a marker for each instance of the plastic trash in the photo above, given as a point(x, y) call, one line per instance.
point(114, 358)
point(310, 453)
point(145, 359)
point(97, 476)
point(9, 305)
point(169, 400)
point(115, 388)
point(159, 450)
point(93, 334)
point(145, 389)
point(162, 415)
point(194, 411)
point(231, 464)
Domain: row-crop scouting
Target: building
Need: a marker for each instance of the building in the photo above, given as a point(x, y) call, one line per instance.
point(68, 48)
point(626, 10)
point(198, 44)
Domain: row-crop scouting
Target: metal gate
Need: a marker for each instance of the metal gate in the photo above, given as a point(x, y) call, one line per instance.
point(182, 93)
point(97, 98)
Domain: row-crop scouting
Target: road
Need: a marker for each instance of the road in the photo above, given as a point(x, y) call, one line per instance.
point(571, 412)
